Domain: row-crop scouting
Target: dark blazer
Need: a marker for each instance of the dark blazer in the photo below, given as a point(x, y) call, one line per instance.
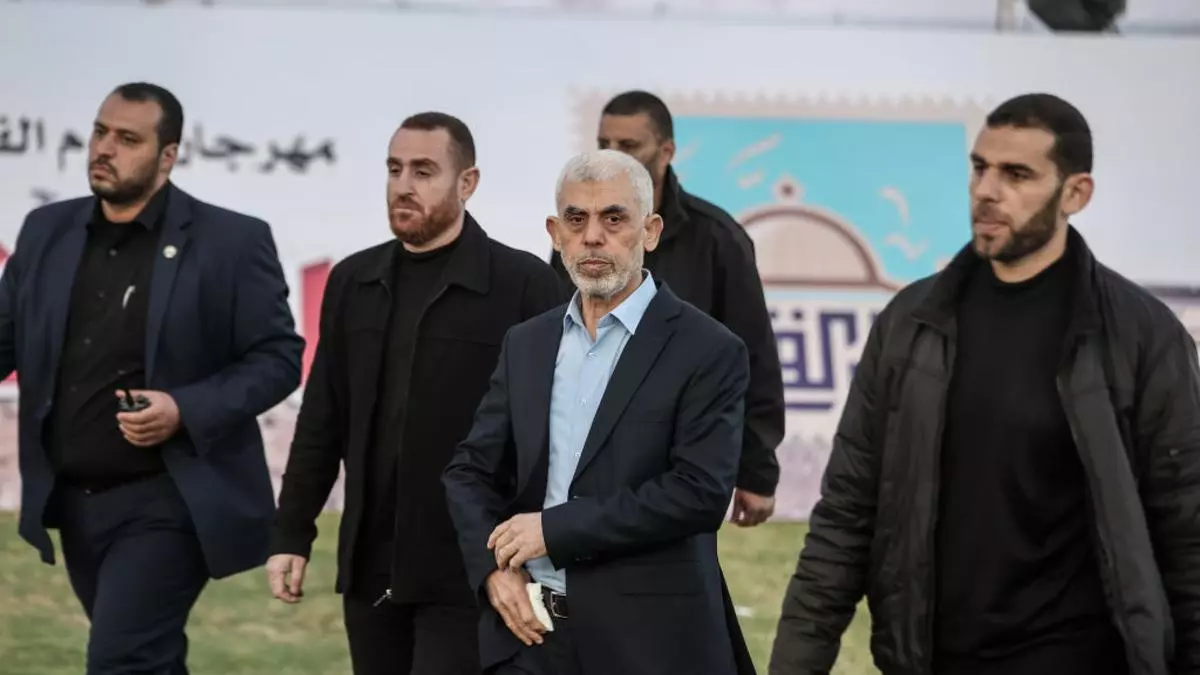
point(487, 288)
point(220, 340)
point(638, 534)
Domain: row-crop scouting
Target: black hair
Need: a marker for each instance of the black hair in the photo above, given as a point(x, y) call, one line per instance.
point(462, 142)
point(170, 125)
point(1072, 151)
point(637, 102)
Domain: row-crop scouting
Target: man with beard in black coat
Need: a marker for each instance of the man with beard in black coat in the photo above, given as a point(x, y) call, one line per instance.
point(410, 333)
point(1015, 481)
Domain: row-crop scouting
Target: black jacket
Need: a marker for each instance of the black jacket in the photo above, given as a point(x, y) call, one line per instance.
point(637, 534)
point(707, 258)
point(488, 288)
point(1130, 386)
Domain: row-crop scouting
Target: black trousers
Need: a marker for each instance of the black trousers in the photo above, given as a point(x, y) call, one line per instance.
point(135, 564)
point(402, 639)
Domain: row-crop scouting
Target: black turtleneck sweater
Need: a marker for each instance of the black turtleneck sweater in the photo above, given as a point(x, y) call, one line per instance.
point(416, 280)
point(1018, 582)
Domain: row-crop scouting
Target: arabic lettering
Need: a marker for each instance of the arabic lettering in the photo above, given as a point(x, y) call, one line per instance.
point(25, 136)
point(25, 125)
point(819, 347)
point(70, 143)
point(296, 158)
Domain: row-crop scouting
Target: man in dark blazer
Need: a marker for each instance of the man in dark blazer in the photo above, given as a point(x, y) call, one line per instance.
point(410, 332)
point(148, 330)
point(603, 459)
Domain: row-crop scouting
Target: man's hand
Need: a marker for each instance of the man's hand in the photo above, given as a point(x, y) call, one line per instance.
point(285, 573)
point(518, 540)
point(506, 591)
point(750, 509)
point(152, 426)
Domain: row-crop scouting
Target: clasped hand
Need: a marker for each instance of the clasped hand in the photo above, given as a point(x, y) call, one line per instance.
point(517, 540)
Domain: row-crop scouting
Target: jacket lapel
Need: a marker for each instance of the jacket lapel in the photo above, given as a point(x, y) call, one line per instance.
point(543, 355)
point(639, 356)
point(65, 261)
point(172, 249)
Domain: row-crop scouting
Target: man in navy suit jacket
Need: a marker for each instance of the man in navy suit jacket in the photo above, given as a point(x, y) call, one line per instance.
point(603, 459)
point(148, 330)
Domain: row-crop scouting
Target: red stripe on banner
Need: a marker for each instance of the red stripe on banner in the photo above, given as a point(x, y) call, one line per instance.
point(12, 377)
point(312, 291)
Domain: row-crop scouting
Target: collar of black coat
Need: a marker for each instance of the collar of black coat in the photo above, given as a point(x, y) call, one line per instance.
point(671, 209)
point(151, 215)
point(469, 265)
point(939, 305)
point(176, 212)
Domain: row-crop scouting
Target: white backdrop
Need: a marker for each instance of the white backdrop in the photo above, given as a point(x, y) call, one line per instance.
point(528, 87)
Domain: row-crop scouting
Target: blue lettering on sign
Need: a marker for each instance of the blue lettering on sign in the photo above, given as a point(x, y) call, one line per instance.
point(818, 356)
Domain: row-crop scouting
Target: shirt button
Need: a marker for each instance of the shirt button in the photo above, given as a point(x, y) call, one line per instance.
point(101, 294)
point(87, 342)
point(591, 355)
point(577, 455)
point(112, 252)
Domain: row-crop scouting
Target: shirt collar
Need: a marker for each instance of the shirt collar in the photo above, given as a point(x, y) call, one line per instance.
point(629, 312)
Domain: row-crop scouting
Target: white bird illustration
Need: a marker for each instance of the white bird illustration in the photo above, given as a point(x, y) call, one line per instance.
point(909, 249)
point(755, 149)
point(897, 198)
point(747, 182)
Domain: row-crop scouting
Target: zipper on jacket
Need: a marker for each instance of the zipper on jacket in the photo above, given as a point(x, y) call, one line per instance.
point(403, 422)
point(387, 595)
point(936, 488)
point(1107, 567)
point(930, 626)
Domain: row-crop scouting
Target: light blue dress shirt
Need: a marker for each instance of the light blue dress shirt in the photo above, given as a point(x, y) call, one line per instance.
point(581, 373)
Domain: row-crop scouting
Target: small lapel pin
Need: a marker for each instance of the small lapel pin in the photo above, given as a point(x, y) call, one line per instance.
point(169, 252)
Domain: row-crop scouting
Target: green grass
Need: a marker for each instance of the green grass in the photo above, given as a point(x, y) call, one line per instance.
point(238, 629)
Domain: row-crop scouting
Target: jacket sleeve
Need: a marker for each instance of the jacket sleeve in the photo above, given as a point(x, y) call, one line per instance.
point(9, 283)
point(473, 479)
point(741, 305)
point(314, 459)
point(691, 497)
point(831, 574)
point(544, 291)
point(266, 351)
point(1168, 433)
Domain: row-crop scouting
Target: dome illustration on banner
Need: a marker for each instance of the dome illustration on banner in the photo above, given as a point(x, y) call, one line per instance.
point(802, 246)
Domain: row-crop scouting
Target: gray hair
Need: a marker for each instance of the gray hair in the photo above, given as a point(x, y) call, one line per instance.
point(603, 165)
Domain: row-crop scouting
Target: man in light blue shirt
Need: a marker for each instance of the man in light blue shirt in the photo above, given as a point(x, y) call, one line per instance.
point(581, 374)
point(605, 455)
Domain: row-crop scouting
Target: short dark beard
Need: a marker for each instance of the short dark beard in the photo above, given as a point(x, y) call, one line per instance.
point(129, 190)
point(441, 217)
point(1037, 232)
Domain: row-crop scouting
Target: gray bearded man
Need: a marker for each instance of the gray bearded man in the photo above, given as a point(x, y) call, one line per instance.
point(603, 458)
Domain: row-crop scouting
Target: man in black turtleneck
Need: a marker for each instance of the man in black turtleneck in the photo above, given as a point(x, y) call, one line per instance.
point(1019, 588)
point(1015, 480)
point(410, 334)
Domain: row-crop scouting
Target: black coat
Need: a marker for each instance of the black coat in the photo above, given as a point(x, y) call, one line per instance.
point(1130, 386)
point(488, 288)
point(637, 535)
point(707, 258)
